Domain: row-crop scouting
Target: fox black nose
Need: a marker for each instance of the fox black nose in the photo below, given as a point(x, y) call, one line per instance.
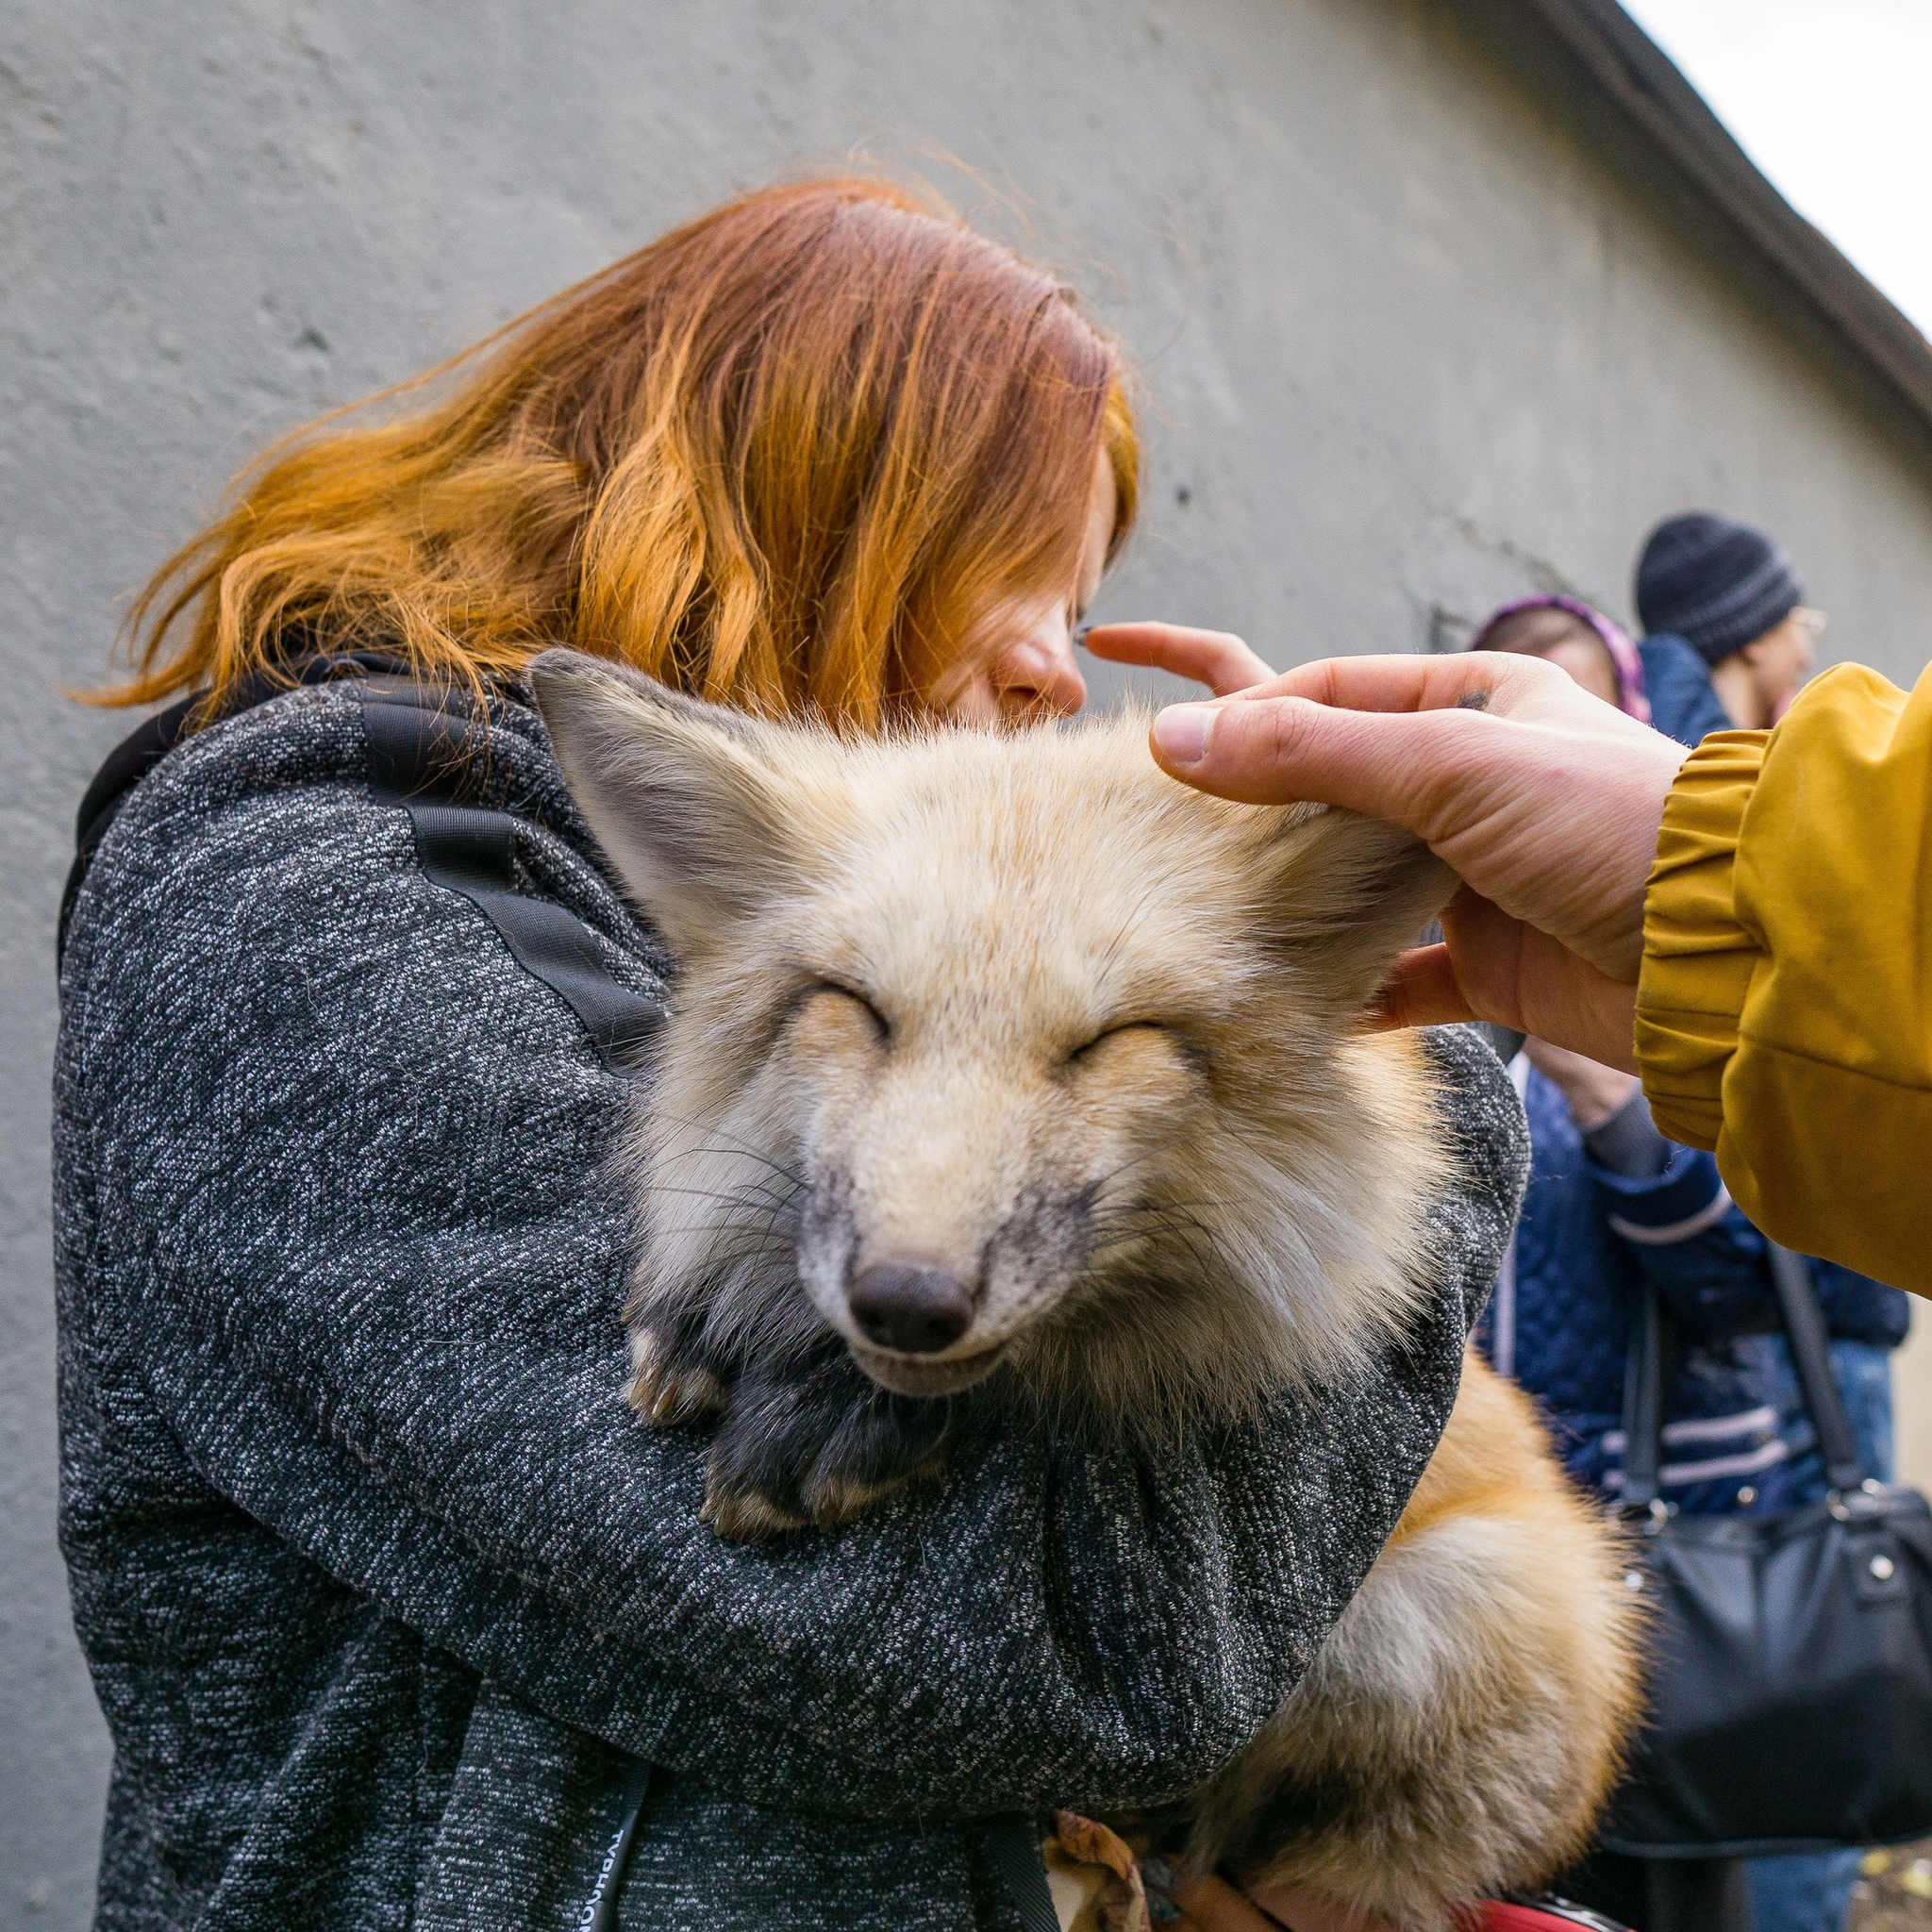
point(913, 1309)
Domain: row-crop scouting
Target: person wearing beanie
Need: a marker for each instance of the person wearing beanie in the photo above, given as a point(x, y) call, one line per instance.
point(1728, 638)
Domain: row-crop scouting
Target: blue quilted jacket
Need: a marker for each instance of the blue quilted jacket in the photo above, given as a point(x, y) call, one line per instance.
point(1683, 704)
point(1559, 1322)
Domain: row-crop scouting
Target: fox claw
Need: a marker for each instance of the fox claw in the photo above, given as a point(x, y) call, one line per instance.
point(666, 1393)
point(744, 1516)
point(818, 1448)
point(748, 1516)
point(835, 1499)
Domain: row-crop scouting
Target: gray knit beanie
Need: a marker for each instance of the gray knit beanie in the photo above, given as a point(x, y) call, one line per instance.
point(1716, 583)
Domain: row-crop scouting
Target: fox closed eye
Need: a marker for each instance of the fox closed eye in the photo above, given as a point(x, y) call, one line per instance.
point(1090, 1049)
point(818, 988)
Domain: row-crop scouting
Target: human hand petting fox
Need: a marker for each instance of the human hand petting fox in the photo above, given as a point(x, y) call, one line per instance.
point(1546, 801)
point(1217, 658)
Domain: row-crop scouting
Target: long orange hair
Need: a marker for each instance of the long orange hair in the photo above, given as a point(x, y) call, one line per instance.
point(786, 458)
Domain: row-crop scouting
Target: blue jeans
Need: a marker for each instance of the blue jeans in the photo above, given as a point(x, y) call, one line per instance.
point(1812, 1891)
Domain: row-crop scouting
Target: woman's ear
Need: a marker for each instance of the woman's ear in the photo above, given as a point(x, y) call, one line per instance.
point(1345, 894)
point(690, 801)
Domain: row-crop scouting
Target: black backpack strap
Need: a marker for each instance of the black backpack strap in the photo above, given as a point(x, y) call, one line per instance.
point(151, 740)
point(1838, 1445)
point(424, 755)
point(1012, 1842)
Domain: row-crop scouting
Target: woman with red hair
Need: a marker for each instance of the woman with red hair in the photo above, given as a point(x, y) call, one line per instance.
point(814, 452)
point(395, 1617)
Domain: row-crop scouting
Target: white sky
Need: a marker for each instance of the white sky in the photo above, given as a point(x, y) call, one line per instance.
point(1833, 100)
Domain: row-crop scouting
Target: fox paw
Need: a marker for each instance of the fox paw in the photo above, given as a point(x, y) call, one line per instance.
point(671, 1383)
point(815, 1444)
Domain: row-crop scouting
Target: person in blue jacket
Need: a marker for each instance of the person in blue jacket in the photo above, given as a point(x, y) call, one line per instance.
point(1612, 1205)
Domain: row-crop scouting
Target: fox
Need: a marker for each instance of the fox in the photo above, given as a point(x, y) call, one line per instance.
point(1005, 1075)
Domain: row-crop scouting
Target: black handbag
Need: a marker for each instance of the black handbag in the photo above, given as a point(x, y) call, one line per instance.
point(1791, 1680)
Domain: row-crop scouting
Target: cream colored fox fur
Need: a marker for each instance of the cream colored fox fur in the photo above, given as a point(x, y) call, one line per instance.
point(1006, 1064)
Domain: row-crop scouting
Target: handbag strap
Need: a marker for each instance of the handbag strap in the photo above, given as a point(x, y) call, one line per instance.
point(1643, 1404)
point(1797, 1299)
point(1804, 1326)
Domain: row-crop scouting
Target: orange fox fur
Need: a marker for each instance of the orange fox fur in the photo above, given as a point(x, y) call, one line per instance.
point(1462, 1726)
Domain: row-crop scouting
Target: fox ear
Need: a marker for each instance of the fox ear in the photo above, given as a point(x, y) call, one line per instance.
point(1348, 894)
point(686, 798)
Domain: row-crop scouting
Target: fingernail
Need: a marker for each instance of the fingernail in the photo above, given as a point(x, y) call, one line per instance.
point(1183, 732)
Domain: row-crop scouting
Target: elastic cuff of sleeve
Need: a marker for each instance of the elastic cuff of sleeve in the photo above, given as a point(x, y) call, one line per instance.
point(1686, 1188)
point(1697, 958)
point(1627, 1143)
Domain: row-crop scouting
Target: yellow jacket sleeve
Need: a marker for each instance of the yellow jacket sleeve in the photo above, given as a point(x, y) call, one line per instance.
point(1784, 1011)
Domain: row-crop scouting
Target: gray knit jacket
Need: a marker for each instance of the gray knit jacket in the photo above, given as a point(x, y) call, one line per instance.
point(384, 1592)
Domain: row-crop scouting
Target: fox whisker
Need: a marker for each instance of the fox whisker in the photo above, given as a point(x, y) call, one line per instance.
point(755, 1200)
point(733, 1144)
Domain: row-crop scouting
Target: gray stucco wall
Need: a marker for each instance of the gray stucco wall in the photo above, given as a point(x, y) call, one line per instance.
point(1413, 339)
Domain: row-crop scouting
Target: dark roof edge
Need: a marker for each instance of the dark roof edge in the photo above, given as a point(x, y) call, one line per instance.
point(1642, 81)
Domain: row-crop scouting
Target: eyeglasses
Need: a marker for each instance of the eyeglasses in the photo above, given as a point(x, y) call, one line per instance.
point(1811, 622)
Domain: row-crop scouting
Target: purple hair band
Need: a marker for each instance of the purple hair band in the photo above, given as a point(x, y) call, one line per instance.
point(1631, 695)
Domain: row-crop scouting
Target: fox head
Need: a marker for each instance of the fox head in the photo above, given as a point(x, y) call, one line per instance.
point(1008, 1052)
